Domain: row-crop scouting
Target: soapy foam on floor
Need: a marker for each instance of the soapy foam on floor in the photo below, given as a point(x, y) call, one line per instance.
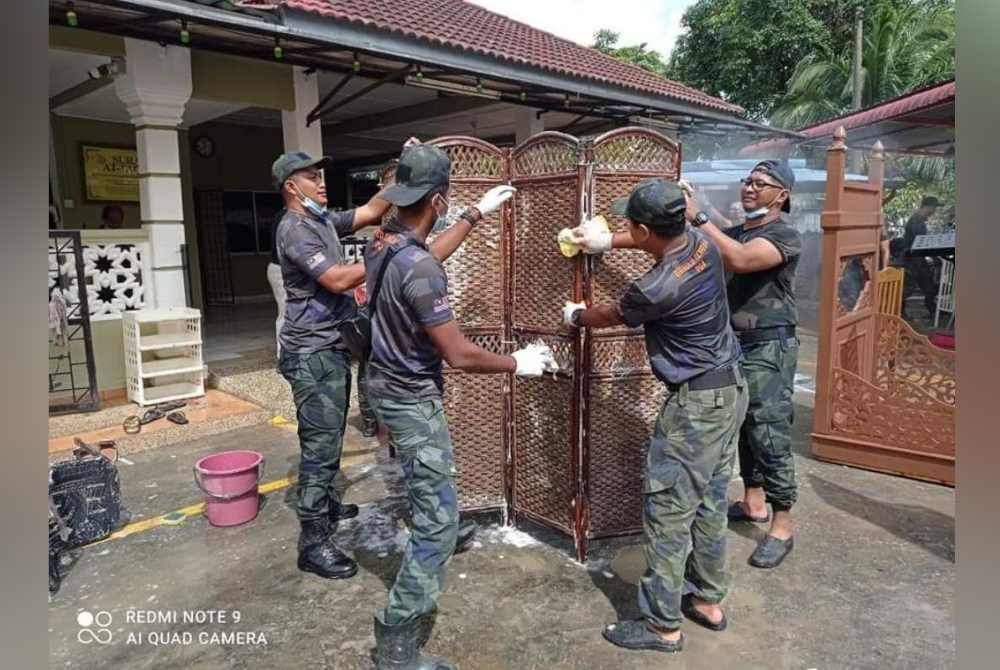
point(508, 535)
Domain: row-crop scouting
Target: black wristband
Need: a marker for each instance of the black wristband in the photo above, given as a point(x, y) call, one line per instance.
point(576, 317)
point(470, 216)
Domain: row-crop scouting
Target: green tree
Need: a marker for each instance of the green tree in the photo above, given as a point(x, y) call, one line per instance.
point(904, 47)
point(744, 51)
point(606, 41)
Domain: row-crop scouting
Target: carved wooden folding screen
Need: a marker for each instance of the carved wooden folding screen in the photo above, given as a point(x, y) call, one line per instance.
point(885, 396)
point(565, 450)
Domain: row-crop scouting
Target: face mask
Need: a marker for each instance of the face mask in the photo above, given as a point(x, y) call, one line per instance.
point(311, 205)
point(760, 211)
point(445, 217)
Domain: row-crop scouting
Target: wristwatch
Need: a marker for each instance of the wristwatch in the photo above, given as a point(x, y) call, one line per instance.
point(576, 317)
point(471, 215)
point(700, 219)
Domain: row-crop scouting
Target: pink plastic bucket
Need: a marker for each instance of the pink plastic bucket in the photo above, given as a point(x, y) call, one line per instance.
point(229, 481)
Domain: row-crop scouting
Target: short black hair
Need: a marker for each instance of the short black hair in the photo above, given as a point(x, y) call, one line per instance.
point(111, 208)
point(930, 201)
point(671, 227)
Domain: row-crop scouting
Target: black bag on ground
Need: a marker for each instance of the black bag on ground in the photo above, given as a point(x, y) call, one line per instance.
point(86, 493)
point(356, 332)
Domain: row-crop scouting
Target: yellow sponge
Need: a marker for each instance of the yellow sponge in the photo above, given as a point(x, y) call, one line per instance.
point(567, 247)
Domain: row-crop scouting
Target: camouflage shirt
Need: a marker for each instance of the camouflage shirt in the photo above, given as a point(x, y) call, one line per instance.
point(404, 363)
point(681, 304)
point(767, 298)
point(308, 247)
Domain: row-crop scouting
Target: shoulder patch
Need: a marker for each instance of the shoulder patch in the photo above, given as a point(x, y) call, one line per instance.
point(315, 260)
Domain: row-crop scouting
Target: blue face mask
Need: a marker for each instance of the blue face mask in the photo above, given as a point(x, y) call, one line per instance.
point(311, 206)
point(445, 219)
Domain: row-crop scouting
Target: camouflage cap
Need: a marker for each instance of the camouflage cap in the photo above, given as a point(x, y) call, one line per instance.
point(288, 164)
point(421, 168)
point(655, 202)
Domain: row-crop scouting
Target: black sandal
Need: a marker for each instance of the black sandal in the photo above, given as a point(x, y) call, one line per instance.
point(688, 610)
point(771, 552)
point(737, 513)
point(150, 416)
point(635, 634)
point(177, 417)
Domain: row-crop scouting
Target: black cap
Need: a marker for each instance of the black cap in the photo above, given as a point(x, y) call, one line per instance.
point(930, 201)
point(658, 203)
point(421, 169)
point(286, 165)
point(783, 174)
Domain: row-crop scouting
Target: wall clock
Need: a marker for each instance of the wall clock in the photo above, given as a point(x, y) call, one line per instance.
point(205, 146)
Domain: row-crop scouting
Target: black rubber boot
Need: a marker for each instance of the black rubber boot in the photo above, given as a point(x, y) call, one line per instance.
point(369, 426)
point(340, 511)
point(398, 648)
point(318, 555)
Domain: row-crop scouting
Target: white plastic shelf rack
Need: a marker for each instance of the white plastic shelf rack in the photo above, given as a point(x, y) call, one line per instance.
point(163, 359)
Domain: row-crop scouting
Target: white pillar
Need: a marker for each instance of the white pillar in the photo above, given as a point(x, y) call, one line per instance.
point(299, 136)
point(526, 123)
point(155, 88)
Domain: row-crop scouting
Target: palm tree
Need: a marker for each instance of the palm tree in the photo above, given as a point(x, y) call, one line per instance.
point(905, 47)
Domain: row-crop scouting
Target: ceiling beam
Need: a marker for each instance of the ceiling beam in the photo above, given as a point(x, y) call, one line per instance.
point(411, 114)
point(86, 87)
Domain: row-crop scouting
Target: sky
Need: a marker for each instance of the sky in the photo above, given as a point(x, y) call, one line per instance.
point(656, 22)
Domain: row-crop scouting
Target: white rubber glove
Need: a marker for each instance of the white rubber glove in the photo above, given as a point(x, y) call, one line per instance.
point(591, 237)
point(493, 198)
point(534, 360)
point(569, 310)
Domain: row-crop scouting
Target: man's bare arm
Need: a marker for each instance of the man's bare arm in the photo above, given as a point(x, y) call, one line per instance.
point(742, 258)
point(341, 278)
point(462, 354)
point(445, 244)
point(370, 213)
point(601, 316)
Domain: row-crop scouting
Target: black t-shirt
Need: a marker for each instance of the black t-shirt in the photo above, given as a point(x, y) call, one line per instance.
point(681, 304)
point(766, 299)
point(917, 225)
point(404, 362)
point(308, 247)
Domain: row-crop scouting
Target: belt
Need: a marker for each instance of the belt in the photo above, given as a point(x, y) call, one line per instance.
point(713, 379)
point(765, 334)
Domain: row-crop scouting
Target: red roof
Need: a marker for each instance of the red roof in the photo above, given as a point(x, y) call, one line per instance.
point(465, 26)
point(884, 111)
point(896, 108)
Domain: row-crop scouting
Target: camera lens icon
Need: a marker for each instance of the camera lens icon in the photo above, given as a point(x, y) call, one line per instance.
point(100, 620)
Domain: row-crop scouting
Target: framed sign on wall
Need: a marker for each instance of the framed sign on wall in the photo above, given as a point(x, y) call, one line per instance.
point(110, 173)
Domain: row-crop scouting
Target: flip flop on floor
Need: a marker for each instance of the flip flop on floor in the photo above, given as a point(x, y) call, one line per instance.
point(771, 552)
point(737, 513)
point(177, 417)
point(170, 406)
point(150, 416)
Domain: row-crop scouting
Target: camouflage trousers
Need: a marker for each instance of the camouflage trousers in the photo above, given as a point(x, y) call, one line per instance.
point(419, 433)
point(321, 386)
point(688, 468)
point(766, 435)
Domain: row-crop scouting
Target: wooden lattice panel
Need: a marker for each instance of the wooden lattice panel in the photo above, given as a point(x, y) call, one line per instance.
point(902, 415)
point(543, 277)
point(903, 354)
point(472, 159)
point(544, 485)
point(637, 150)
point(546, 154)
point(617, 356)
point(477, 421)
point(622, 413)
point(476, 270)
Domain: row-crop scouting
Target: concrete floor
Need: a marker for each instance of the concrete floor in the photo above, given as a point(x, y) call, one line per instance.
point(869, 585)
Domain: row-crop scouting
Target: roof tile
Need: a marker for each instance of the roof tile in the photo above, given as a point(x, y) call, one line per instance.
point(462, 25)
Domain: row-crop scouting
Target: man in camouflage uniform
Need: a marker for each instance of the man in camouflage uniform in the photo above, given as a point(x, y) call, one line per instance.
point(313, 359)
point(762, 255)
point(681, 305)
point(413, 327)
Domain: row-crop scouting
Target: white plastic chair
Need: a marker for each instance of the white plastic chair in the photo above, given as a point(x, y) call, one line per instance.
point(946, 291)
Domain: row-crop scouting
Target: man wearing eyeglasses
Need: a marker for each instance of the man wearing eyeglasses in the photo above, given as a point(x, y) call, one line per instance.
point(761, 255)
point(314, 360)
